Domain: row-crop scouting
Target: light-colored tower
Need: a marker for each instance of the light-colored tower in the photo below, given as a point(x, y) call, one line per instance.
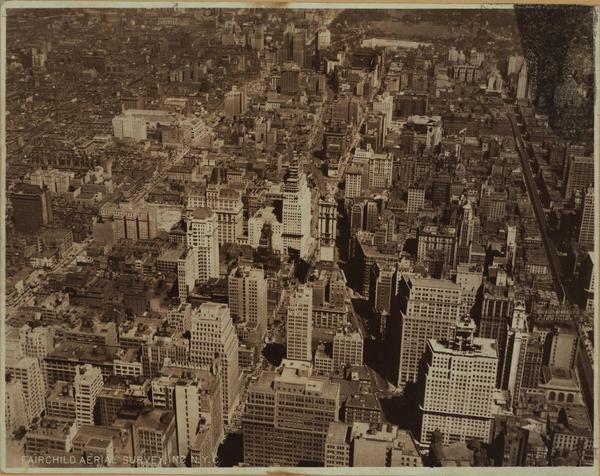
point(297, 213)
point(578, 174)
point(256, 224)
point(467, 226)
point(15, 407)
point(287, 416)
point(299, 324)
point(327, 228)
point(347, 349)
point(587, 226)
point(513, 354)
point(187, 272)
point(355, 174)
point(452, 54)
point(323, 39)
point(202, 236)
point(380, 170)
point(88, 384)
point(522, 82)
point(459, 380)
point(227, 204)
point(27, 371)
point(247, 289)
point(428, 308)
point(198, 411)
point(213, 335)
point(514, 63)
point(384, 104)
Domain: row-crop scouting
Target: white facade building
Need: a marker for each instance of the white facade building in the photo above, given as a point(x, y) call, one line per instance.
point(213, 335)
point(88, 384)
point(299, 324)
point(247, 290)
point(256, 224)
point(459, 380)
point(202, 237)
point(296, 211)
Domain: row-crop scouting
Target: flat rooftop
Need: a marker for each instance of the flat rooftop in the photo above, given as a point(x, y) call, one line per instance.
point(482, 348)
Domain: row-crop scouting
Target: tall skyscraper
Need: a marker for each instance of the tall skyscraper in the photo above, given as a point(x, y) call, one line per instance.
point(227, 204)
point(203, 238)
point(426, 308)
point(371, 215)
point(346, 109)
point(299, 324)
point(88, 384)
point(257, 40)
point(511, 246)
point(247, 288)
point(347, 349)
point(213, 335)
point(375, 131)
point(323, 39)
point(579, 174)
point(355, 178)
point(384, 104)
point(514, 63)
point(522, 82)
point(470, 278)
point(187, 272)
point(287, 416)
point(357, 217)
point(290, 78)
point(265, 223)
point(296, 211)
point(380, 170)
point(512, 358)
point(198, 405)
point(380, 296)
point(236, 102)
point(457, 382)
point(452, 54)
point(32, 208)
point(299, 53)
point(436, 248)
point(155, 436)
point(496, 310)
point(294, 45)
point(588, 223)
point(466, 233)
point(27, 371)
point(15, 408)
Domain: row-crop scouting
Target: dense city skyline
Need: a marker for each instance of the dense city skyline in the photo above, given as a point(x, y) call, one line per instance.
point(251, 237)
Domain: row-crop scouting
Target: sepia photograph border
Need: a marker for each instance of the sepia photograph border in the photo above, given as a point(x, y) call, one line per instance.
point(6, 5)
